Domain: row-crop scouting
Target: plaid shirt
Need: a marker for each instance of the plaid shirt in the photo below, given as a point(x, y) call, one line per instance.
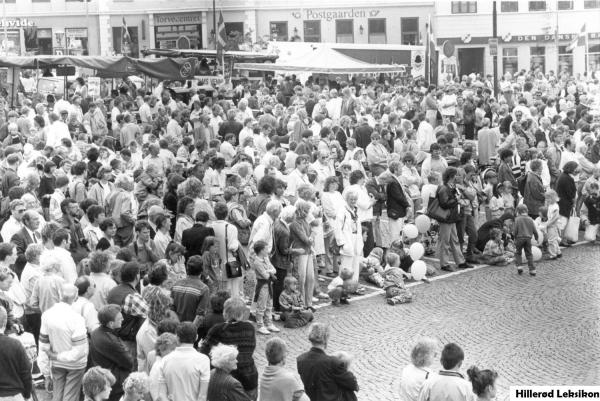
point(135, 305)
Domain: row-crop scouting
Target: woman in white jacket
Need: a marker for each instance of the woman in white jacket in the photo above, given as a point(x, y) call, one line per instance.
point(348, 235)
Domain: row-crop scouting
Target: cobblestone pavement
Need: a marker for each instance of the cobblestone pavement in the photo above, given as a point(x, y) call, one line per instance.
point(532, 330)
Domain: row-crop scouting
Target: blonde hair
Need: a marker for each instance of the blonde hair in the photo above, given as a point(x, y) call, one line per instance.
point(288, 281)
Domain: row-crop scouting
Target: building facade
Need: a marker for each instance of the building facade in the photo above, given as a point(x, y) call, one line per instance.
point(526, 32)
point(106, 27)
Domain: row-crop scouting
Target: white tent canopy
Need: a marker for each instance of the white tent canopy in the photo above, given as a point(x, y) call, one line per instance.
point(322, 60)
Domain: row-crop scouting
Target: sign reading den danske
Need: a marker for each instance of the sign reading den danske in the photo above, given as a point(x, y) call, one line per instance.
point(330, 15)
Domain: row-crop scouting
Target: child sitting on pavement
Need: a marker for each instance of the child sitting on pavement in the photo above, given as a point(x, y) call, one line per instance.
point(372, 265)
point(340, 287)
point(395, 290)
point(494, 253)
point(294, 313)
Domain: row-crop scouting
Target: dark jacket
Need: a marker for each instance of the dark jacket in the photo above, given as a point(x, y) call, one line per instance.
point(379, 193)
point(362, 134)
point(566, 190)
point(448, 200)
point(193, 238)
point(280, 257)
point(108, 351)
point(231, 127)
point(396, 201)
point(21, 239)
point(131, 324)
point(224, 387)
point(593, 206)
point(15, 367)
point(569, 123)
point(325, 377)
point(534, 193)
point(300, 235)
point(78, 248)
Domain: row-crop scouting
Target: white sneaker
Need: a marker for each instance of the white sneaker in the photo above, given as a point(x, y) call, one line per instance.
point(273, 329)
point(263, 330)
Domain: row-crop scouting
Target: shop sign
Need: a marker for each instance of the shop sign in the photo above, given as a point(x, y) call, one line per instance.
point(212, 80)
point(177, 19)
point(330, 15)
point(513, 38)
point(16, 23)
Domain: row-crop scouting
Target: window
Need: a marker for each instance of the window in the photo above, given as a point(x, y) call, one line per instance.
point(44, 41)
point(565, 5)
point(537, 6)
point(464, 7)
point(409, 31)
point(510, 60)
point(538, 56)
point(594, 57)
point(344, 31)
point(77, 41)
point(509, 6)
point(231, 27)
point(279, 31)
point(565, 61)
point(377, 30)
point(591, 4)
point(123, 45)
point(312, 31)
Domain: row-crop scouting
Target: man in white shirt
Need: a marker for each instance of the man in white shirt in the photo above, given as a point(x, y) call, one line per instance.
point(15, 221)
point(56, 131)
point(82, 304)
point(174, 129)
point(167, 102)
point(146, 114)
point(247, 131)
point(449, 384)
point(568, 153)
point(62, 241)
point(63, 337)
point(425, 134)
point(334, 106)
point(296, 178)
point(324, 168)
point(61, 104)
point(185, 373)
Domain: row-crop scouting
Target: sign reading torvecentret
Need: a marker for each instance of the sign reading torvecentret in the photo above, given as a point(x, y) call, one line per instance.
point(527, 393)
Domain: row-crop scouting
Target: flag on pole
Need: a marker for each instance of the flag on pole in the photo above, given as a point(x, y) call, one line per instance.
point(431, 66)
point(579, 40)
point(126, 36)
point(221, 40)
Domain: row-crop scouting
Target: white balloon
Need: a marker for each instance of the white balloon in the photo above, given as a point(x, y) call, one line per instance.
point(410, 231)
point(423, 223)
point(418, 270)
point(416, 251)
point(535, 252)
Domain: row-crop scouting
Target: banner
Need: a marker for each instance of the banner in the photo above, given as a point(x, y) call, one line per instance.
point(50, 85)
point(212, 80)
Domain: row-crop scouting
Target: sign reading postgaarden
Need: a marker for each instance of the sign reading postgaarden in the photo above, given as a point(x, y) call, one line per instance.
point(330, 15)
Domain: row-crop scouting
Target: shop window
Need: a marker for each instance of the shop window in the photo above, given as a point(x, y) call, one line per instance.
point(124, 45)
point(594, 58)
point(312, 31)
point(77, 41)
point(377, 30)
point(464, 7)
point(565, 5)
point(537, 6)
point(231, 27)
point(344, 31)
point(409, 31)
point(587, 4)
point(509, 6)
point(538, 58)
point(279, 31)
point(565, 60)
point(44, 41)
point(510, 60)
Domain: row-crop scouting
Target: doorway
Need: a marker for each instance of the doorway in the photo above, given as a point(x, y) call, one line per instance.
point(470, 60)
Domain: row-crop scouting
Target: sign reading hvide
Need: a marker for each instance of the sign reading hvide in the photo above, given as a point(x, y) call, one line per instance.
point(93, 84)
point(493, 43)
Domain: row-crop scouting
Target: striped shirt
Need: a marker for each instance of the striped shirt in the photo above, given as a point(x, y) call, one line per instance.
point(63, 331)
point(190, 298)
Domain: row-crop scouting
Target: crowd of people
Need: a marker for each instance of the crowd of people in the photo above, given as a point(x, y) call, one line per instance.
point(140, 232)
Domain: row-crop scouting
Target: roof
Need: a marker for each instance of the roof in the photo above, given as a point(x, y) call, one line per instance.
point(236, 55)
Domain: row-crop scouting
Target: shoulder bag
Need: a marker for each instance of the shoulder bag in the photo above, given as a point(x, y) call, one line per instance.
point(435, 211)
point(233, 268)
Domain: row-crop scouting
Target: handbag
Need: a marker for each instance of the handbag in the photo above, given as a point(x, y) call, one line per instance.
point(435, 211)
point(571, 232)
point(233, 268)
